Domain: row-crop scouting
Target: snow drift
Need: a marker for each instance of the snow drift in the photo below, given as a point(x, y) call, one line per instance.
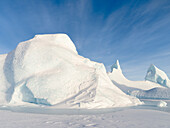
point(141, 89)
point(48, 70)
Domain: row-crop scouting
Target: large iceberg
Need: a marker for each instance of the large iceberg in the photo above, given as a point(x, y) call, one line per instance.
point(158, 76)
point(47, 70)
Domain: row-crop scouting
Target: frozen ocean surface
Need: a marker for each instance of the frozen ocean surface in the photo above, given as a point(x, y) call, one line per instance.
point(149, 104)
point(143, 116)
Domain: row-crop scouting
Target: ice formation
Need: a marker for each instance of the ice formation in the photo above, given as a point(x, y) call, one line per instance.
point(162, 104)
point(158, 76)
point(141, 89)
point(117, 76)
point(48, 70)
point(116, 66)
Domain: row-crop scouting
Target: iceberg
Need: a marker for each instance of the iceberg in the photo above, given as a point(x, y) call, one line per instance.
point(116, 75)
point(47, 70)
point(148, 89)
point(162, 104)
point(158, 76)
point(116, 66)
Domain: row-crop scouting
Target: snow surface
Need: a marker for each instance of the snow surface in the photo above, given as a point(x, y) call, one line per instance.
point(140, 89)
point(130, 118)
point(158, 76)
point(47, 70)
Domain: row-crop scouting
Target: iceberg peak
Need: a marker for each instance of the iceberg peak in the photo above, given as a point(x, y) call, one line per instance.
point(153, 66)
point(51, 35)
point(116, 66)
point(60, 39)
point(156, 75)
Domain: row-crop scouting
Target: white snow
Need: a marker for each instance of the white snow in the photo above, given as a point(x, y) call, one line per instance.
point(131, 118)
point(158, 76)
point(47, 70)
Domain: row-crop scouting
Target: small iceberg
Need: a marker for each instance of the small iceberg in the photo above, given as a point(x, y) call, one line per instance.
point(162, 104)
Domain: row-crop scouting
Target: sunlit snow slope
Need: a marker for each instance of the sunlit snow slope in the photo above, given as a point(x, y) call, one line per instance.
point(48, 70)
point(142, 89)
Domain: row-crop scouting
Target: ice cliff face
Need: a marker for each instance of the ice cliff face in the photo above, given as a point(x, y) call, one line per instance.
point(158, 76)
point(48, 70)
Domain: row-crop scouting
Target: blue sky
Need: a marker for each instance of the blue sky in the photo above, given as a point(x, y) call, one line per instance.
point(137, 32)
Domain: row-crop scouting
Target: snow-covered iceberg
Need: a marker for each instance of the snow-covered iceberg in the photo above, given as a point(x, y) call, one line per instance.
point(141, 89)
point(117, 76)
point(158, 76)
point(48, 70)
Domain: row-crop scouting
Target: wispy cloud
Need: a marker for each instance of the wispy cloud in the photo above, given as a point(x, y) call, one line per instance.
point(138, 37)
